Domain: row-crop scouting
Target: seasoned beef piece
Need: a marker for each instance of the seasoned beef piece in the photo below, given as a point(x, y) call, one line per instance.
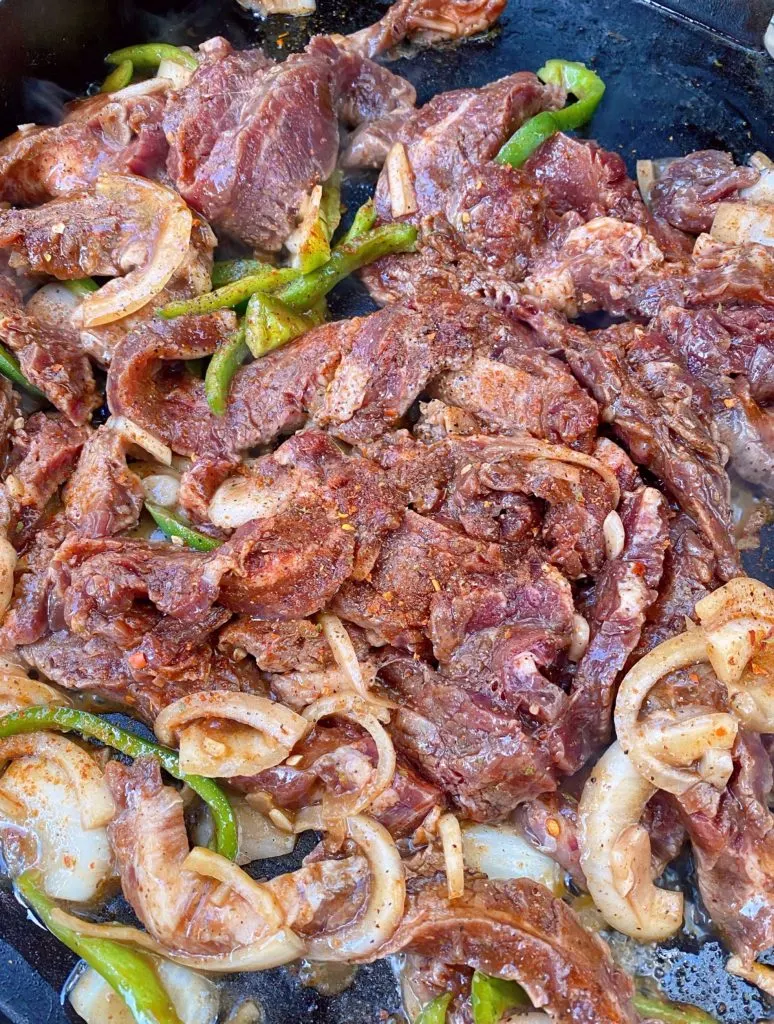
point(691, 471)
point(688, 192)
point(750, 332)
point(103, 496)
point(730, 274)
point(295, 644)
point(425, 21)
point(484, 761)
point(9, 413)
point(733, 846)
point(44, 455)
point(48, 358)
point(249, 139)
point(624, 590)
point(517, 930)
point(550, 822)
point(118, 132)
point(707, 348)
point(448, 138)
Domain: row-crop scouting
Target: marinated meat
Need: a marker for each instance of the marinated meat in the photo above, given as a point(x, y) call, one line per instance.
point(688, 192)
point(426, 21)
point(44, 455)
point(103, 496)
point(518, 930)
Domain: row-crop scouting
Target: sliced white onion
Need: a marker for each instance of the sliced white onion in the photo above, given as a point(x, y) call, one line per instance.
point(212, 865)
point(760, 161)
point(38, 795)
point(8, 560)
point(343, 651)
point(501, 852)
point(580, 638)
point(259, 836)
point(757, 974)
point(252, 733)
point(175, 72)
point(307, 240)
point(736, 618)
point(240, 499)
point(377, 922)
point(169, 223)
point(615, 852)
point(282, 947)
point(161, 489)
point(18, 691)
point(400, 180)
point(740, 223)
point(650, 746)
point(196, 999)
point(615, 538)
point(138, 435)
point(451, 842)
point(763, 189)
point(368, 717)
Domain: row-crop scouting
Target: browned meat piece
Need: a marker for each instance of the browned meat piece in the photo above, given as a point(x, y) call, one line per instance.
point(249, 139)
point(688, 192)
point(48, 358)
point(689, 463)
point(425, 21)
point(730, 274)
point(44, 455)
point(624, 590)
point(448, 138)
point(518, 930)
point(706, 346)
point(118, 132)
point(550, 822)
point(9, 413)
point(103, 496)
point(751, 339)
point(484, 761)
point(689, 575)
point(27, 618)
point(296, 644)
point(733, 846)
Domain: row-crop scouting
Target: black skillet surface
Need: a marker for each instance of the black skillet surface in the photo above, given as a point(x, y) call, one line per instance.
point(673, 86)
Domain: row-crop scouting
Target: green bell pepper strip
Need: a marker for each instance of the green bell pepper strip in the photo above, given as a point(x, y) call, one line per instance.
point(269, 323)
point(130, 973)
point(228, 271)
point(120, 78)
point(83, 287)
point(363, 221)
point(66, 719)
point(221, 369)
point(173, 526)
point(148, 56)
point(491, 998)
point(9, 367)
point(669, 1012)
point(266, 279)
point(576, 78)
point(434, 1012)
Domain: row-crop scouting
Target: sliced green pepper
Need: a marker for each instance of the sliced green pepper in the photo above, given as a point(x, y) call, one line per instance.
point(435, 1011)
point(228, 271)
point(491, 998)
point(148, 56)
point(363, 221)
point(173, 526)
point(82, 287)
point(9, 367)
point(120, 78)
point(221, 369)
point(576, 78)
point(269, 323)
point(266, 279)
point(669, 1012)
point(130, 973)
point(66, 719)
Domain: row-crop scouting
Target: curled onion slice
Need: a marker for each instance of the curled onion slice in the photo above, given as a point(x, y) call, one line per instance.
point(212, 865)
point(138, 435)
point(343, 651)
point(757, 974)
point(368, 717)
point(615, 852)
point(663, 751)
point(378, 920)
point(251, 732)
point(167, 221)
point(533, 449)
point(736, 618)
point(18, 691)
point(8, 560)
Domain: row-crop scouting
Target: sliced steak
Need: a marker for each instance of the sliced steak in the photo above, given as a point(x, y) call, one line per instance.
point(103, 496)
point(688, 192)
point(425, 21)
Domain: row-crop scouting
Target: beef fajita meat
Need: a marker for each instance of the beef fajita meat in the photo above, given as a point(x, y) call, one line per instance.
point(518, 930)
point(103, 496)
point(425, 21)
point(44, 454)
point(688, 192)
point(249, 139)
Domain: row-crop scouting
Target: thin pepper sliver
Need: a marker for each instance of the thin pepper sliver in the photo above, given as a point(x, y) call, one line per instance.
point(221, 369)
point(670, 1013)
point(148, 56)
point(173, 526)
point(130, 973)
point(66, 719)
point(434, 1012)
point(265, 279)
point(119, 78)
point(9, 367)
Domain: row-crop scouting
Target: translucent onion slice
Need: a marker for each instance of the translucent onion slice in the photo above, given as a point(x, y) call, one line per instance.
point(278, 728)
point(400, 180)
point(136, 434)
point(533, 449)
point(178, 74)
point(343, 651)
point(240, 499)
point(368, 717)
point(8, 560)
point(615, 537)
point(18, 691)
point(763, 189)
point(195, 998)
point(501, 852)
point(736, 618)
point(660, 753)
point(377, 921)
point(161, 489)
point(451, 841)
point(168, 221)
point(212, 865)
point(616, 855)
point(757, 974)
point(742, 223)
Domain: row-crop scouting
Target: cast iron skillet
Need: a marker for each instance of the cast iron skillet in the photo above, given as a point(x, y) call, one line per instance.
point(673, 86)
